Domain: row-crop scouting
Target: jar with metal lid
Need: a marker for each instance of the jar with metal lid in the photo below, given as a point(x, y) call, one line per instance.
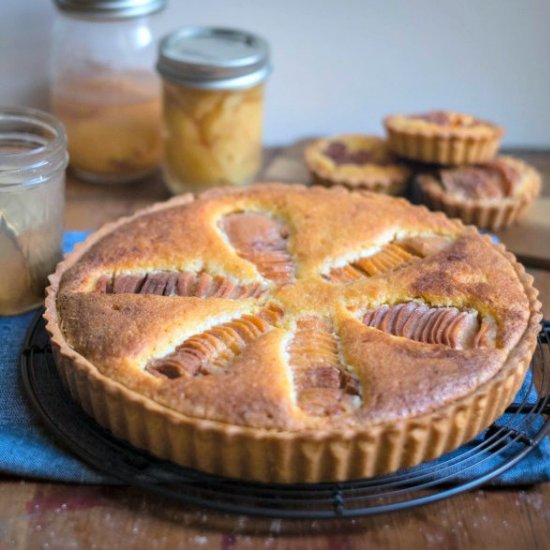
point(33, 158)
point(104, 87)
point(213, 84)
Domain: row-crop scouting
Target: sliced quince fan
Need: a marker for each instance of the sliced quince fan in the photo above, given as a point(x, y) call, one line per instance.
point(449, 326)
point(323, 384)
point(213, 350)
point(173, 283)
point(390, 257)
point(263, 241)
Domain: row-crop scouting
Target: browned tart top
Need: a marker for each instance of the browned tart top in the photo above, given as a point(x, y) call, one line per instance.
point(287, 308)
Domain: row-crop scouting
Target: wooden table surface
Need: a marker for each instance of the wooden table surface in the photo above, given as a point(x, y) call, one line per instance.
point(54, 515)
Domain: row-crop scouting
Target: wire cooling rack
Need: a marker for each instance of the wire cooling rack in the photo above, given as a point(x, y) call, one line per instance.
point(502, 445)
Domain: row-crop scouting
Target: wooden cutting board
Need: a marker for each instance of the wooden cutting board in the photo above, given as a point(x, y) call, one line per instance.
point(529, 239)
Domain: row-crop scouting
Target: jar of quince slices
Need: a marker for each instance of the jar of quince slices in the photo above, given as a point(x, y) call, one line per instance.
point(213, 89)
point(105, 89)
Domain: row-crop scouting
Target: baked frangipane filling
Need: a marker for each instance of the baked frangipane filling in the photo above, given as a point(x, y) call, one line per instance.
point(443, 137)
point(357, 162)
point(491, 195)
point(282, 333)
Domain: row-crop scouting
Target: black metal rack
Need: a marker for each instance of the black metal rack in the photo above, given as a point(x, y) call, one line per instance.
point(504, 444)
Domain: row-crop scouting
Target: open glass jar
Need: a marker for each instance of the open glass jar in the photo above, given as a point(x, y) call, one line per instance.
point(104, 87)
point(213, 82)
point(33, 158)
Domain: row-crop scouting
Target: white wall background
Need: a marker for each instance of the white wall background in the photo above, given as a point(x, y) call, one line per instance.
point(340, 65)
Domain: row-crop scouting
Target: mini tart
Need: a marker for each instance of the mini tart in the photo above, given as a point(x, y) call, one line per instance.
point(356, 162)
point(492, 196)
point(300, 335)
point(443, 137)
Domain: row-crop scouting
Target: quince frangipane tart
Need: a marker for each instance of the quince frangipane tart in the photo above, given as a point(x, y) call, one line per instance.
point(492, 195)
point(290, 334)
point(358, 162)
point(443, 137)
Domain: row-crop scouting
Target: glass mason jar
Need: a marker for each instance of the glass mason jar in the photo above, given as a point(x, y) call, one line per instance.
point(213, 82)
point(104, 88)
point(33, 158)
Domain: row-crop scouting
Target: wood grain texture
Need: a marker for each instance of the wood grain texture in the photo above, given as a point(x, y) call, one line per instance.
point(48, 515)
point(45, 515)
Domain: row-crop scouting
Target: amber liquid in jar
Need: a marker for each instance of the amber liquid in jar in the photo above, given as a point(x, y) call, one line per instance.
point(211, 137)
point(31, 228)
point(33, 159)
point(112, 123)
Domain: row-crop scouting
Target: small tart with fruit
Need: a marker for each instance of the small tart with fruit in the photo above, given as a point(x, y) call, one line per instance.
point(492, 195)
point(443, 137)
point(357, 162)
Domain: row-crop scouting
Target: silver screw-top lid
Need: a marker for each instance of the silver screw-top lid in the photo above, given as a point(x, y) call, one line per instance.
point(214, 58)
point(111, 9)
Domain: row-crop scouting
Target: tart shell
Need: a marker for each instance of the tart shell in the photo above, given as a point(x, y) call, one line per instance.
point(444, 147)
point(492, 216)
point(278, 456)
point(387, 185)
point(391, 179)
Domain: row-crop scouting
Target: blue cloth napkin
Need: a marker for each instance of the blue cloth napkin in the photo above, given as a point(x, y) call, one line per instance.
point(26, 449)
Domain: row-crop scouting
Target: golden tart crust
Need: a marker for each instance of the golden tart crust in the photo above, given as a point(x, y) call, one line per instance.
point(492, 196)
point(356, 161)
point(384, 334)
point(443, 137)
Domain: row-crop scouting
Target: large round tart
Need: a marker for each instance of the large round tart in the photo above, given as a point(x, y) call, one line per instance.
point(289, 334)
